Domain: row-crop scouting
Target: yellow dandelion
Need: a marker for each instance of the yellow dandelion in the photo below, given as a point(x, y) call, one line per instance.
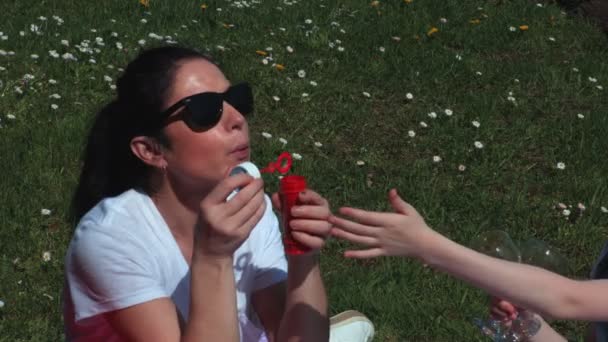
point(432, 31)
point(280, 67)
point(375, 3)
point(475, 21)
point(204, 7)
point(261, 52)
point(145, 3)
point(408, 1)
point(524, 27)
point(227, 25)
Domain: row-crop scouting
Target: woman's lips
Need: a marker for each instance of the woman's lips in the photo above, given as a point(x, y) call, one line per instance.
point(241, 152)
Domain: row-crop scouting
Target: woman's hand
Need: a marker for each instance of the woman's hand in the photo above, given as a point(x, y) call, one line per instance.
point(401, 233)
point(224, 225)
point(309, 223)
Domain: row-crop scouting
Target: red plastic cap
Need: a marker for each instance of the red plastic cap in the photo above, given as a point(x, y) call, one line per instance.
point(292, 183)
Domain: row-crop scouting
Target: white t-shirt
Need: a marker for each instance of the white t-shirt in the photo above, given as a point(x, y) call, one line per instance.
point(122, 254)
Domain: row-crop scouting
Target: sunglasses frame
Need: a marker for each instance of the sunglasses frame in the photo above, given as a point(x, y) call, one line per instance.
point(200, 104)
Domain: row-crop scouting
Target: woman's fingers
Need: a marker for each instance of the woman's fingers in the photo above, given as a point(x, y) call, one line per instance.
point(311, 197)
point(276, 201)
point(364, 253)
point(358, 239)
point(317, 212)
point(315, 227)
point(311, 241)
point(352, 227)
point(250, 208)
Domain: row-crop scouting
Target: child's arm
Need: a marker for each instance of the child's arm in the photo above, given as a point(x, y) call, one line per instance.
point(404, 233)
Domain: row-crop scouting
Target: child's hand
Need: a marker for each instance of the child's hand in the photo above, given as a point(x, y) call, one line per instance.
point(502, 310)
point(309, 219)
point(385, 234)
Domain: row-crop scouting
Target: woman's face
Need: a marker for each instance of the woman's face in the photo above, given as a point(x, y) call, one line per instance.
point(199, 160)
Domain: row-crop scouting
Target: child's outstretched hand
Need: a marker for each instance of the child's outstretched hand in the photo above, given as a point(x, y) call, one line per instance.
point(402, 233)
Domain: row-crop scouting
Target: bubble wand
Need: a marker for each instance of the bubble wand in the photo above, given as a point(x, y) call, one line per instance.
point(290, 187)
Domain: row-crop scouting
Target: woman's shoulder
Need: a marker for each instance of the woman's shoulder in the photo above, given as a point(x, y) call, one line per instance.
point(113, 222)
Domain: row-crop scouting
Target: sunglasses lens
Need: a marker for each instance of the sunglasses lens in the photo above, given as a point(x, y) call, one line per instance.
point(240, 97)
point(204, 110)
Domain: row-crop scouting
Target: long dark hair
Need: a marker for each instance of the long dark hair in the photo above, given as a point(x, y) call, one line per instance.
point(110, 167)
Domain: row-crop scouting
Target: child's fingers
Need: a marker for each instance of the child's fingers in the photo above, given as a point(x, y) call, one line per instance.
point(371, 218)
point(399, 205)
point(498, 313)
point(507, 307)
point(311, 197)
point(351, 226)
point(364, 253)
point(344, 235)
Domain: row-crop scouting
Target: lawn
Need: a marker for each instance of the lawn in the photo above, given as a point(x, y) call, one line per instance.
point(484, 114)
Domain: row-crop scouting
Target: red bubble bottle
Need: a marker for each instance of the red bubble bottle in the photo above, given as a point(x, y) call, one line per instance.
point(290, 188)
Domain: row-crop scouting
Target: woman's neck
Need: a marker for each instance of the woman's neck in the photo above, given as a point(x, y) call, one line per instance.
point(180, 212)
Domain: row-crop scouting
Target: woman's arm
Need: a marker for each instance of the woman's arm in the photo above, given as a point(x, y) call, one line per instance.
point(296, 310)
point(221, 229)
point(212, 310)
point(305, 317)
point(404, 233)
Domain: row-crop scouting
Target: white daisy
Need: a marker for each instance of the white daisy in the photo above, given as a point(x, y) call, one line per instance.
point(461, 168)
point(436, 159)
point(360, 163)
point(301, 73)
point(46, 256)
point(54, 106)
point(411, 133)
point(45, 212)
point(448, 112)
point(475, 123)
point(296, 156)
point(266, 135)
point(561, 165)
point(283, 141)
point(409, 96)
point(318, 144)
point(366, 94)
point(478, 144)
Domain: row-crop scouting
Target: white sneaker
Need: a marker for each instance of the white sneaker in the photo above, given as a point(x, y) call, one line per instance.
point(350, 326)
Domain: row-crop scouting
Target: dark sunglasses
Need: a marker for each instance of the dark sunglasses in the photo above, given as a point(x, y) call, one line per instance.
point(204, 110)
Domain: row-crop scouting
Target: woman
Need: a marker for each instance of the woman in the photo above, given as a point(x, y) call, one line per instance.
point(404, 233)
point(159, 254)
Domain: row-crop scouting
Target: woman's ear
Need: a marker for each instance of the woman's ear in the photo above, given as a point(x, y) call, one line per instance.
point(148, 150)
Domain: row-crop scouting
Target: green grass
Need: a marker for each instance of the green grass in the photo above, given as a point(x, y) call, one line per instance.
point(511, 184)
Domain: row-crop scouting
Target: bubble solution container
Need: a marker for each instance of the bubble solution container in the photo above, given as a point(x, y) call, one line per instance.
point(245, 167)
point(289, 189)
